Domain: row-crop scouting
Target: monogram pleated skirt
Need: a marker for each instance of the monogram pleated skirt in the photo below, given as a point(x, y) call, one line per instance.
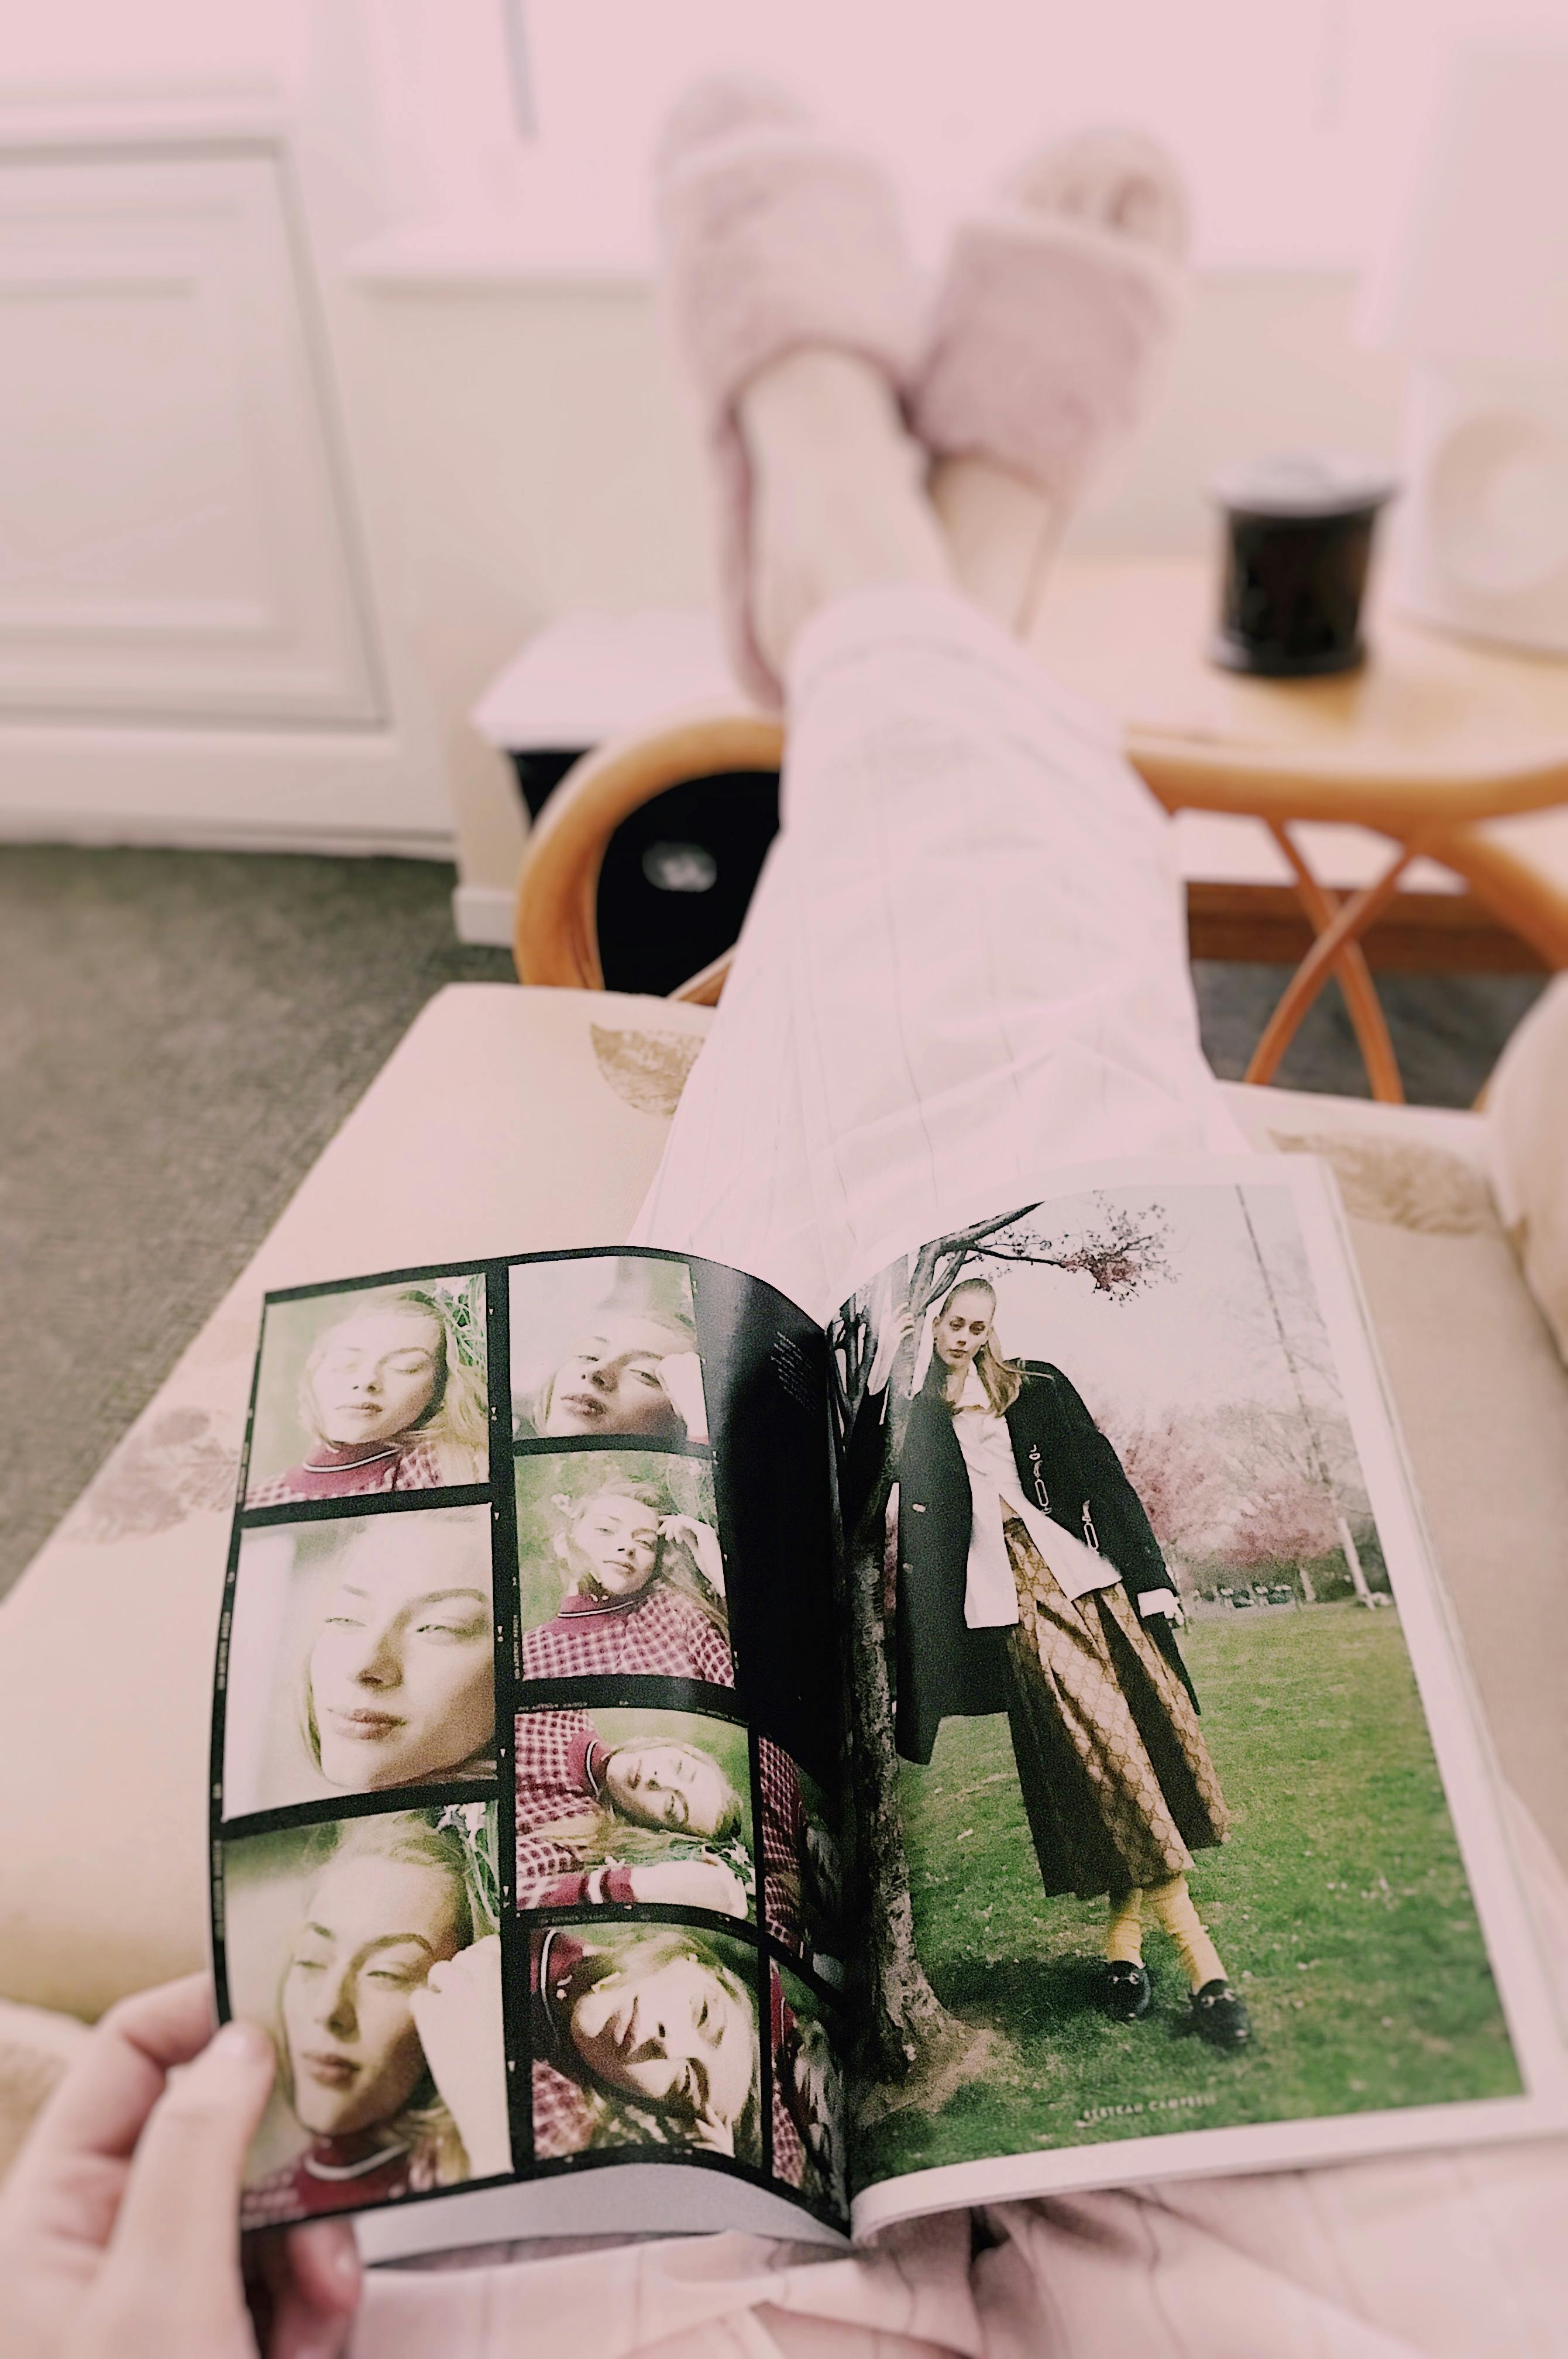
point(1118, 1781)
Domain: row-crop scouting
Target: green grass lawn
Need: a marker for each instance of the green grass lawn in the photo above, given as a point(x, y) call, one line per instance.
point(1339, 1906)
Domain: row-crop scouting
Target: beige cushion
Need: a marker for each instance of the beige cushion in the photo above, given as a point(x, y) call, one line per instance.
point(511, 1119)
point(1527, 1124)
point(35, 2047)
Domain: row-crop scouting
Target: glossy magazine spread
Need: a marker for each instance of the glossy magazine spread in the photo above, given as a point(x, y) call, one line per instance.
point(673, 1769)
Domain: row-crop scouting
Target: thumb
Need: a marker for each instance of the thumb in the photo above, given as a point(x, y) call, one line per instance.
point(180, 2209)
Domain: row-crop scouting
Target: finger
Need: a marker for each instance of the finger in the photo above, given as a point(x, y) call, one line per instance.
point(181, 2200)
point(313, 2274)
point(102, 2103)
point(323, 2260)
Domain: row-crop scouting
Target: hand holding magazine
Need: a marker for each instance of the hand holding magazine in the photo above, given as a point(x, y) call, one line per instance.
point(674, 1768)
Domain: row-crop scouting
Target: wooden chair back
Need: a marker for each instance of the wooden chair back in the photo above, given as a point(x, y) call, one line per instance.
point(556, 936)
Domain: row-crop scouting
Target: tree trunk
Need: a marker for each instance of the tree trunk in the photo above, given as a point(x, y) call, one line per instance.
point(910, 2034)
point(908, 2030)
point(1353, 1558)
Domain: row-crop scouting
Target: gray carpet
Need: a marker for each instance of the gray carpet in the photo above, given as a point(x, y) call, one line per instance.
point(181, 1033)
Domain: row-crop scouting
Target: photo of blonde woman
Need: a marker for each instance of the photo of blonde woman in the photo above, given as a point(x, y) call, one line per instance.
point(606, 1345)
point(363, 1659)
point(367, 1949)
point(644, 2034)
point(620, 1568)
point(634, 1806)
point(1029, 1583)
point(372, 1389)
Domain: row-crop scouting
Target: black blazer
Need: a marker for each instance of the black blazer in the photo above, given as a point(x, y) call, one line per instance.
point(1068, 1470)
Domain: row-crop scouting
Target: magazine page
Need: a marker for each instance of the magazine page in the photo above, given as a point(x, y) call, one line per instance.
point(527, 1755)
point(1185, 1846)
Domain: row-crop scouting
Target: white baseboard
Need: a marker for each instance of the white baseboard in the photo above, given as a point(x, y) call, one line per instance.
point(482, 913)
point(275, 790)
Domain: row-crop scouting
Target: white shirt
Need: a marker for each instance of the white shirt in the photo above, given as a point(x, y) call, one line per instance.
point(990, 1593)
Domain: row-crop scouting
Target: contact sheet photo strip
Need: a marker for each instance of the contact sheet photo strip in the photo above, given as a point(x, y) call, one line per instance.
point(520, 1672)
point(603, 1641)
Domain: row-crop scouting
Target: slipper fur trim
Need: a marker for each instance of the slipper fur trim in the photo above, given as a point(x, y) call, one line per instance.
point(1045, 338)
point(775, 239)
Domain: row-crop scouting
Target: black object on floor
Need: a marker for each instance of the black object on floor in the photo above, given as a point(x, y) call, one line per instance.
point(678, 875)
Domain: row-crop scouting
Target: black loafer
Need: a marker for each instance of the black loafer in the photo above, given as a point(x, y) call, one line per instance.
point(1220, 2016)
point(1124, 1992)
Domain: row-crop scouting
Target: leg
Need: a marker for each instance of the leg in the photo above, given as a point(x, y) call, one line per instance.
point(1124, 1929)
point(713, 2296)
point(969, 964)
point(1175, 1914)
point(1126, 1987)
point(966, 966)
point(1420, 2256)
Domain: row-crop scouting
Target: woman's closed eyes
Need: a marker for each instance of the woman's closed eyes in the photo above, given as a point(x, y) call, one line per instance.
point(639, 1367)
point(455, 1624)
point(401, 1673)
point(349, 1362)
point(390, 1972)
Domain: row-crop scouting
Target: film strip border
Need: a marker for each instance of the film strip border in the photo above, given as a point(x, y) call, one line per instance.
point(771, 1966)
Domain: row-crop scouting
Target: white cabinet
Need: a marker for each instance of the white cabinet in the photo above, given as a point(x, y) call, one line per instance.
point(195, 643)
point(177, 541)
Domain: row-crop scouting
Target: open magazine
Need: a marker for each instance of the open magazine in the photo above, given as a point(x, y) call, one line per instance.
point(674, 1767)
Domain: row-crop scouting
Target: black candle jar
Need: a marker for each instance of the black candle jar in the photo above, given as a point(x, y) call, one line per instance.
point(1298, 543)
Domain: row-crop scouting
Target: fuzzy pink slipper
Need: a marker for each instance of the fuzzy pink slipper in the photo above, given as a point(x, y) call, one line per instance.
point(1055, 310)
point(775, 238)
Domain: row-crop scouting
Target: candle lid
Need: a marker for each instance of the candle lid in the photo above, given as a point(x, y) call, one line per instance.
point(1303, 483)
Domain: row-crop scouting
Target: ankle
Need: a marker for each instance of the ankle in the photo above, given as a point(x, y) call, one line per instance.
point(839, 501)
point(1001, 532)
point(814, 400)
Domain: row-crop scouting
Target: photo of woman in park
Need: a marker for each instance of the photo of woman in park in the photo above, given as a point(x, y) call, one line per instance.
point(363, 1657)
point(635, 1806)
point(1029, 1583)
point(372, 1389)
point(644, 2034)
point(368, 1951)
point(606, 1345)
point(617, 1573)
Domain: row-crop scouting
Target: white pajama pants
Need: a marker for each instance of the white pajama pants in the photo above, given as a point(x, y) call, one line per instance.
point(965, 966)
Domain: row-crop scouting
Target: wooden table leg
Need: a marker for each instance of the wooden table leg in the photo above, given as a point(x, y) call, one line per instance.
point(1347, 925)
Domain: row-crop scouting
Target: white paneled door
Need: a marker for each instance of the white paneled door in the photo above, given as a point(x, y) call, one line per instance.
point(193, 642)
point(177, 539)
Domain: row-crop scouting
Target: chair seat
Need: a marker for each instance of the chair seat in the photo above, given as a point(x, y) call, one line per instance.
point(510, 1119)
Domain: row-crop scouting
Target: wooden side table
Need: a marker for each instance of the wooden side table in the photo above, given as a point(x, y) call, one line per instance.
point(1412, 814)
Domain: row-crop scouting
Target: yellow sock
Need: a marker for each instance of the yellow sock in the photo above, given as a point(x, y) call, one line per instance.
point(1172, 1906)
point(1124, 1929)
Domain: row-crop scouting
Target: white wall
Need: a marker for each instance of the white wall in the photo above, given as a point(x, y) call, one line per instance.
point(540, 460)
